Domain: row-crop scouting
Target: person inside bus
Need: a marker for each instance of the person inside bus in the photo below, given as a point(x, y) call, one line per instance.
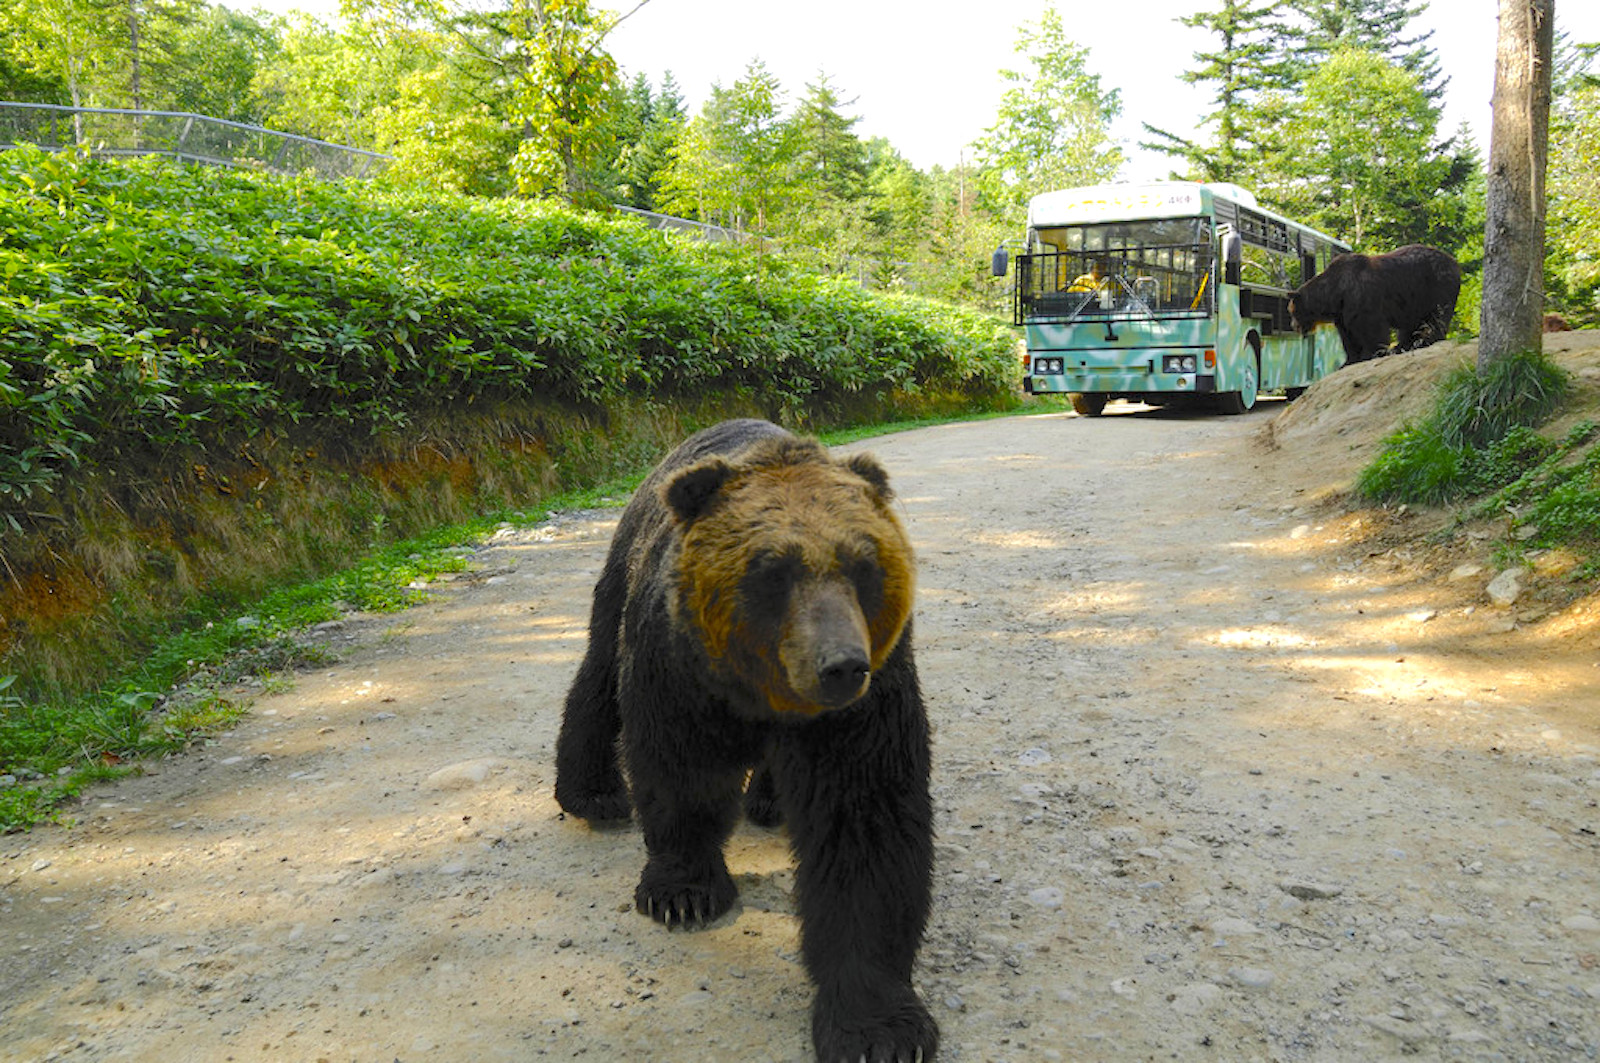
point(1094, 281)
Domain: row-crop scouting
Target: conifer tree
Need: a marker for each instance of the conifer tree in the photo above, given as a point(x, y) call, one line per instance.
point(1243, 66)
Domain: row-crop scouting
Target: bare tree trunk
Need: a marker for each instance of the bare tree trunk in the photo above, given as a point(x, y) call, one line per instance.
point(1512, 312)
point(135, 79)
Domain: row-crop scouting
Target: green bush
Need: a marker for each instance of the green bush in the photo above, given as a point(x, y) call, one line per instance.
point(147, 306)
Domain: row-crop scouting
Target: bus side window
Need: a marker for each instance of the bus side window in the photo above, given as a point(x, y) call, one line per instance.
point(1308, 267)
point(1232, 253)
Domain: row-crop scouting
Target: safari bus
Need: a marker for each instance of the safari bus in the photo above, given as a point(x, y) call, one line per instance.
point(1156, 291)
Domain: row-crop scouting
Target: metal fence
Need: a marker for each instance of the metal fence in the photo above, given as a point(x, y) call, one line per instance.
point(191, 137)
point(713, 233)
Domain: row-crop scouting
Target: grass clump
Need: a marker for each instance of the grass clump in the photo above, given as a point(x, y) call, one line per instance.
point(1476, 438)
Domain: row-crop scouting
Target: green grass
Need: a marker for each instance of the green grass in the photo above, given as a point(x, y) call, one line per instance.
point(1478, 447)
point(1475, 438)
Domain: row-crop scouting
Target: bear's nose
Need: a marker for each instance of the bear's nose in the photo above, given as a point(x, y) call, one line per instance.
point(842, 675)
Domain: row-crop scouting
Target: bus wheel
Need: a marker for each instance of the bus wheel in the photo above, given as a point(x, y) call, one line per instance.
point(1089, 405)
point(1290, 394)
point(1241, 401)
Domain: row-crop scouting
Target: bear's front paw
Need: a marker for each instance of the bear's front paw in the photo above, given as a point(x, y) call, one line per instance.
point(883, 1024)
point(674, 898)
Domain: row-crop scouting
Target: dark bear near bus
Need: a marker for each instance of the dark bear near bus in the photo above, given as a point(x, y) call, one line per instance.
point(754, 613)
point(1411, 292)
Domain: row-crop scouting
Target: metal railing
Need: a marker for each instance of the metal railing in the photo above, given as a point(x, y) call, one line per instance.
point(181, 135)
point(714, 233)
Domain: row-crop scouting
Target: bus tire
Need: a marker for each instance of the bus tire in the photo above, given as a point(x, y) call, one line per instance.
point(1090, 405)
point(1290, 394)
point(1243, 400)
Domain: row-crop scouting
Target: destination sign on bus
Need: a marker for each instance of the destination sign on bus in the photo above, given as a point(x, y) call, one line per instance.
point(1169, 199)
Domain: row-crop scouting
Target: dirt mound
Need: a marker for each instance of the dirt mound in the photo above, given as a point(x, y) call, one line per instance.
point(1338, 426)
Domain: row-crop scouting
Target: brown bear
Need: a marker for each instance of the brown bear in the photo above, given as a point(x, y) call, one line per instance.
point(1411, 291)
point(754, 613)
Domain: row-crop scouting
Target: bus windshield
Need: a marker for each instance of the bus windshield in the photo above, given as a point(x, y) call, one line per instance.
point(1158, 267)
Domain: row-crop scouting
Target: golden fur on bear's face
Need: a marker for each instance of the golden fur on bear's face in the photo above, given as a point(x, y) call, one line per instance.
point(790, 558)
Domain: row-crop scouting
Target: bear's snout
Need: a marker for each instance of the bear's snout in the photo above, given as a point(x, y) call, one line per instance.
point(842, 676)
point(827, 652)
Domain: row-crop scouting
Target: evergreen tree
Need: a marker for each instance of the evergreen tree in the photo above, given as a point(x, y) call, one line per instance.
point(1243, 66)
point(830, 160)
point(1382, 26)
point(648, 123)
point(1572, 232)
point(899, 199)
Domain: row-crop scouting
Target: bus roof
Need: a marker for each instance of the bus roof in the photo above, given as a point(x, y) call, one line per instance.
point(1158, 199)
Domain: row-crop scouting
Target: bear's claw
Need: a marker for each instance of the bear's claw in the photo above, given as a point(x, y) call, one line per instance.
point(686, 906)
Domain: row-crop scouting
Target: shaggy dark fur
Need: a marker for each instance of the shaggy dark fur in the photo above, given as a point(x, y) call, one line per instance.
point(754, 613)
point(1411, 292)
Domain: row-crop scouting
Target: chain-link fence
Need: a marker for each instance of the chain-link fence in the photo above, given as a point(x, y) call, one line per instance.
point(713, 233)
point(191, 137)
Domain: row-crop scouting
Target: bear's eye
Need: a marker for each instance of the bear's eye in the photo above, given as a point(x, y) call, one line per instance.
point(864, 572)
point(768, 579)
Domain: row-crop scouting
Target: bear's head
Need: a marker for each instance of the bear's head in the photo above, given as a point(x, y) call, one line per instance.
point(794, 571)
point(1300, 314)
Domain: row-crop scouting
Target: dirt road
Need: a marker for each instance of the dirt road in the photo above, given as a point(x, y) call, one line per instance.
point(1211, 782)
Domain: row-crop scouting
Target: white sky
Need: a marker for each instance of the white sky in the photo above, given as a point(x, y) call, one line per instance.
point(928, 79)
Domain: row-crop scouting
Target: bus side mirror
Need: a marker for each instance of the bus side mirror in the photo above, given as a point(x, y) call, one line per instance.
point(999, 263)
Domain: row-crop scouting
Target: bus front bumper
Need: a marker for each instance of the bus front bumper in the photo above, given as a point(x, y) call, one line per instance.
point(1119, 382)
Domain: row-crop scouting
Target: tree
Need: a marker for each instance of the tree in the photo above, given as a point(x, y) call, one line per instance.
point(1357, 156)
point(830, 160)
point(25, 85)
point(1513, 242)
point(1053, 126)
point(648, 124)
point(899, 199)
point(732, 164)
point(1243, 67)
point(568, 90)
point(828, 216)
point(61, 40)
point(1382, 26)
point(216, 55)
point(335, 84)
point(1572, 263)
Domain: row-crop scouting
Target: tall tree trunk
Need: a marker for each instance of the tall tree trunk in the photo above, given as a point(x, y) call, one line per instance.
point(1513, 245)
point(135, 71)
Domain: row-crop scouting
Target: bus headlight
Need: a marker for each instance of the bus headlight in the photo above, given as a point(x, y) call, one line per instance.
point(1177, 363)
point(1048, 366)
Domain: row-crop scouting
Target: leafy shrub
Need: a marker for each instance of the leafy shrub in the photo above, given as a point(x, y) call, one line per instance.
point(1559, 495)
point(148, 307)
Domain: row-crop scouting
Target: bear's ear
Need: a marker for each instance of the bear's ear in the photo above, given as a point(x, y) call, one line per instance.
point(690, 491)
point(866, 466)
